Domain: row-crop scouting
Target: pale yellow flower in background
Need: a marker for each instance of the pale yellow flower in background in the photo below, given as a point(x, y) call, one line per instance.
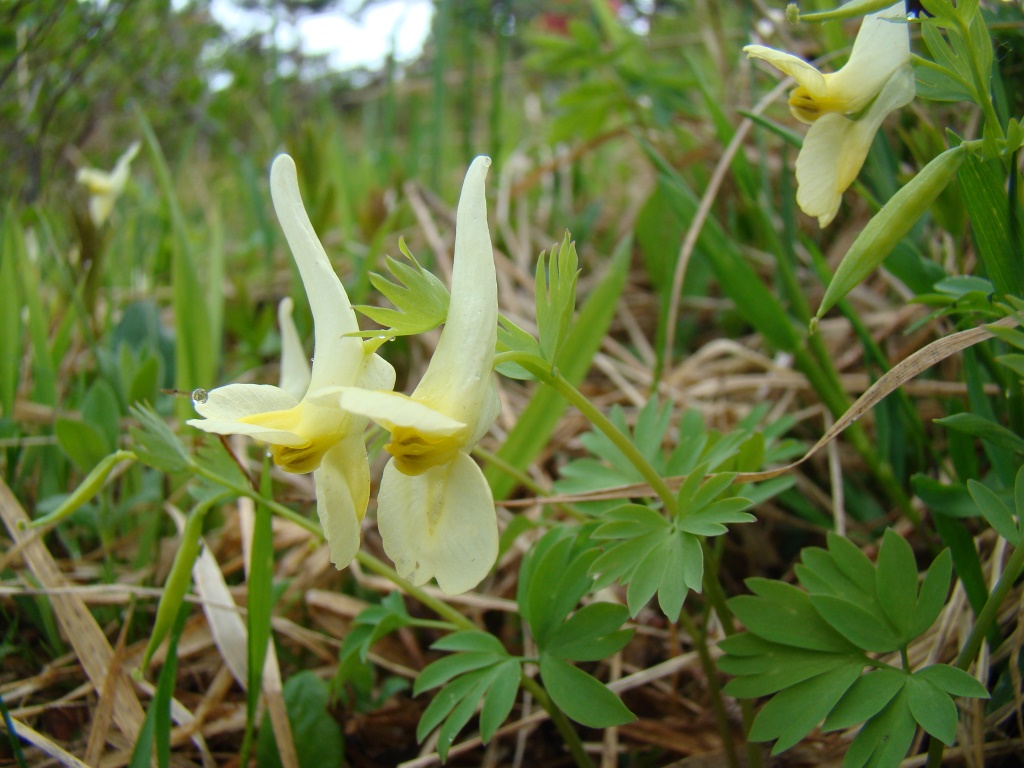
point(845, 108)
point(435, 510)
point(301, 420)
point(105, 187)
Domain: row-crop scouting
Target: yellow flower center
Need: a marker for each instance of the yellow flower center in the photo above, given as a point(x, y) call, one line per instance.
point(416, 452)
point(807, 109)
point(306, 457)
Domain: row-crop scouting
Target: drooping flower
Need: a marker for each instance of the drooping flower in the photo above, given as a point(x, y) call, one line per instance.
point(303, 423)
point(435, 510)
point(845, 108)
point(105, 187)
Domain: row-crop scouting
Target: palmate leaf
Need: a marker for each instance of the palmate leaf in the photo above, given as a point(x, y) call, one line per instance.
point(807, 650)
point(877, 609)
point(653, 555)
point(555, 575)
point(481, 669)
point(420, 299)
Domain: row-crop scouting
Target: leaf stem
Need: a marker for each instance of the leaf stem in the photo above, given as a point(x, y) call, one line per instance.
point(548, 374)
point(438, 606)
point(572, 739)
point(711, 673)
point(985, 619)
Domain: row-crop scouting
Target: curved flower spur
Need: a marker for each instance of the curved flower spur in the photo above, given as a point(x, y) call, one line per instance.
point(435, 510)
point(846, 108)
point(304, 425)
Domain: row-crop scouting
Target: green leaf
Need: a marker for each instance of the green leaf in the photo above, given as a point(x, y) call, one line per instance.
point(500, 698)
point(865, 698)
point(466, 687)
point(316, 734)
point(555, 296)
point(100, 409)
point(580, 696)
point(995, 511)
point(953, 681)
point(784, 614)
point(896, 583)
point(890, 225)
point(852, 562)
point(777, 668)
point(479, 642)
point(464, 710)
point(860, 626)
point(444, 669)
point(83, 443)
point(986, 429)
point(156, 445)
point(932, 596)
point(796, 711)
point(590, 634)
point(543, 413)
point(933, 710)
point(420, 298)
point(885, 738)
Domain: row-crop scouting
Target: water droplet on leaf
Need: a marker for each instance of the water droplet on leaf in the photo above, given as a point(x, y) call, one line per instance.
point(199, 396)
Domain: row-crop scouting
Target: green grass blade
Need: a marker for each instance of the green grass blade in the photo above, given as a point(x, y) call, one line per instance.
point(260, 604)
point(194, 348)
point(540, 417)
point(157, 728)
point(999, 241)
point(10, 316)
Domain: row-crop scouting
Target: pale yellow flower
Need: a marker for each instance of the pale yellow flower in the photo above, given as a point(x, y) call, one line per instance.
point(105, 187)
point(845, 108)
point(303, 423)
point(435, 510)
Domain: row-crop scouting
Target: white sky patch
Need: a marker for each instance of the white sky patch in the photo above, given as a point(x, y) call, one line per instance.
point(401, 24)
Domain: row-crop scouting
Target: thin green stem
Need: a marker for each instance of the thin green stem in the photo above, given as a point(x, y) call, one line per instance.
point(985, 619)
point(700, 642)
point(572, 739)
point(525, 480)
point(276, 507)
point(550, 375)
point(441, 608)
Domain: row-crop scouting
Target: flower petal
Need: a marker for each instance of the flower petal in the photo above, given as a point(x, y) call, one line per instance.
point(440, 524)
point(805, 74)
point(392, 410)
point(342, 492)
point(236, 401)
point(458, 380)
point(882, 46)
point(336, 356)
point(294, 363)
point(835, 149)
point(226, 406)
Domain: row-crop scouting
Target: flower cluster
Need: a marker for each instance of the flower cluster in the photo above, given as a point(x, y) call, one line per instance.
point(435, 509)
point(846, 108)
